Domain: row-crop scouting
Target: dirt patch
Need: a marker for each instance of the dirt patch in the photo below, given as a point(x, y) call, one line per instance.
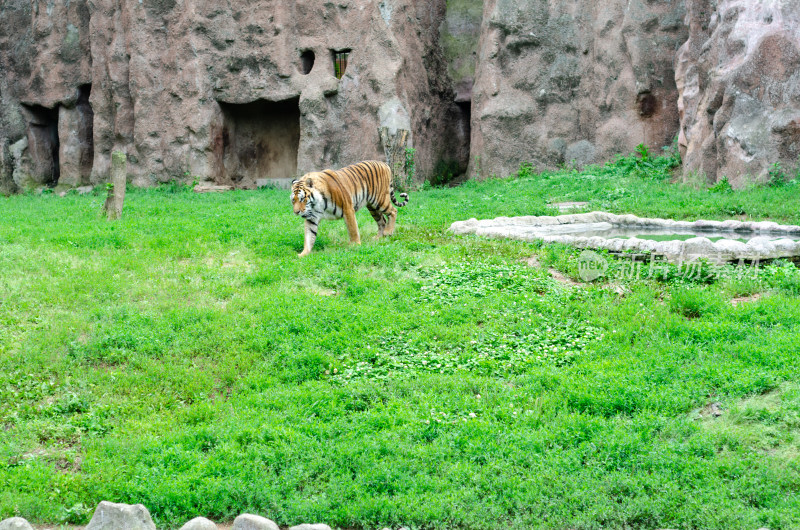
point(65, 465)
point(710, 411)
point(533, 261)
point(562, 279)
point(557, 275)
point(746, 299)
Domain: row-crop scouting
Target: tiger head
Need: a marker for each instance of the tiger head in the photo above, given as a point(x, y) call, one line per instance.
point(302, 197)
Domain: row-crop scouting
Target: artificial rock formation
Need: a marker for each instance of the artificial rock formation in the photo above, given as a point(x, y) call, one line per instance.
point(225, 91)
point(238, 92)
point(739, 81)
point(574, 81)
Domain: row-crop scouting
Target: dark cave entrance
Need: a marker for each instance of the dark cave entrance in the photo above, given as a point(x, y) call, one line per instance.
point(452, 166)
point(43, 144)
point(259, 140)
point(61, 141)
point(306, 61)
point(465, 125)
point(84, 129)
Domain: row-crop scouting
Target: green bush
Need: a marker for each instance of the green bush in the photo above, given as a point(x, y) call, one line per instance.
point(694, 302)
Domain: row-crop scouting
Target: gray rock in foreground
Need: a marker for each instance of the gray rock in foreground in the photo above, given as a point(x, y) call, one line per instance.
point(112, 516)
point(199, 523)
point(311, 527)
point(248, 521)
point(15, 523)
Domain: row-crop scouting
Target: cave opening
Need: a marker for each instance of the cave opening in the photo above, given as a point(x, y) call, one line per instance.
point(460, 148)
point(646, 103)
point(85, 132)
point(465, 124)
point(43, 143)
point(307, 58)
point(451, 168)
point(259, 141)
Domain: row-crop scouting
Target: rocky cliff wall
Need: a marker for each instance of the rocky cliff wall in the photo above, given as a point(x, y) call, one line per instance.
point(574, 81)
point(230, 91)
point(739, 81)
point(240, 90)
point(14, 62)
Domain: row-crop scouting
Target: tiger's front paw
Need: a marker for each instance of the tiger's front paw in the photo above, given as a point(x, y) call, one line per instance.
point(304, 253)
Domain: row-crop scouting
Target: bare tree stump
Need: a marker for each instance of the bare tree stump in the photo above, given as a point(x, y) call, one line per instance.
point(394, 147)
point(116, 189)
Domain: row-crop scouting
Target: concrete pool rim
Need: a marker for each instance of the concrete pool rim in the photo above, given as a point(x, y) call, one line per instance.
point(770, 240)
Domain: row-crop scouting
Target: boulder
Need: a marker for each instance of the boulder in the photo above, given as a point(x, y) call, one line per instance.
point(15, 523)
point(112, 516)
point(199, 523)
point(249, 521)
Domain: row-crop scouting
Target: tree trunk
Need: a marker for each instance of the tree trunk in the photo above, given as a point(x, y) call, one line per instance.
point(116, 188)
point(394, 147)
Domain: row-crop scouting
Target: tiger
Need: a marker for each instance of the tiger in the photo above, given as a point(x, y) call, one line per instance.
point(333, 194)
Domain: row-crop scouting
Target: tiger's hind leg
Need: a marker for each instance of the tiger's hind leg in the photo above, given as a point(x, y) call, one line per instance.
point(379, 218)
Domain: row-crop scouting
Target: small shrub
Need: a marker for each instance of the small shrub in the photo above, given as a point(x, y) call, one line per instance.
point(733, 210)
point(406, 181)
point(722, 186)
point(525, 170)
point(784, 276)
point(693, 302)
point(71, 404)
point(790, 285)
point(644, 165)
point(174, 186)
point(76, 514)
point(779, 177)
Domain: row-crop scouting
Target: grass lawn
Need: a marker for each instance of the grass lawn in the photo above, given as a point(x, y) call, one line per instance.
point(186, 359)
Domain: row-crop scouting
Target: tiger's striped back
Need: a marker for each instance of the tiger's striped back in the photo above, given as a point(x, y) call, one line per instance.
point(370, 182)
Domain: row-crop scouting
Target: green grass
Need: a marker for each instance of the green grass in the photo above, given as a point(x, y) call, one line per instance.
point(186, 359)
